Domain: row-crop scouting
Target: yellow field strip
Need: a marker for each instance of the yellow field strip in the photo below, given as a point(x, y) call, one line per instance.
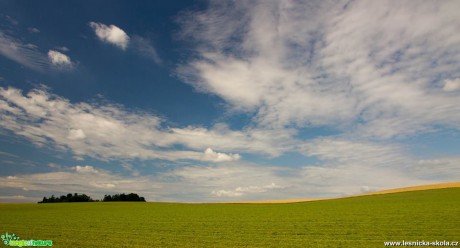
point(389, 191)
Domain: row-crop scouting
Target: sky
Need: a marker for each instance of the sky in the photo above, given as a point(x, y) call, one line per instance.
point(215, 101)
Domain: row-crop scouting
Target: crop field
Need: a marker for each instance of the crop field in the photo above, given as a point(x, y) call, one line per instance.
point(365, 221)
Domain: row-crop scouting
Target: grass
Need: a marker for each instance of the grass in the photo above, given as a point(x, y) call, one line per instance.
point(364, 221)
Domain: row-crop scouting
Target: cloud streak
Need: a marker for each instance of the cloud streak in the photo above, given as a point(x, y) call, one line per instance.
point(22, 53)
point(144, 48)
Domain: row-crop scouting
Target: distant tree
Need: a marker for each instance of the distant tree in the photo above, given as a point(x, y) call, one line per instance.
point(123, 197)
point(85, 198)
point(67, 198)
point(107, 198)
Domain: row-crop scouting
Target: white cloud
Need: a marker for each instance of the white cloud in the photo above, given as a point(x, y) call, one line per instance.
point(320, 64)
point(352, 152)
point(272, 142)
point(240, 191)
point(59, 59)
point(366, 189)
point(210, 155)
point(331, 179)
point(110, 132)
point(22, 53)
point(227, 193)
point(54, 165)
point(445, 167)
point(451, 84)
point(236, 179)
point(33, 30)
point(110, 34)
point(75, 134)
point(144, 47)
point(85, 169)
point(63, 49)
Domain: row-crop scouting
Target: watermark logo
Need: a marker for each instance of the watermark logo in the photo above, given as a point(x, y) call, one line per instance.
point(14, 240)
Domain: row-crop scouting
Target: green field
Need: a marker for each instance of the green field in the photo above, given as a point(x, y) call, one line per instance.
point(364, 221)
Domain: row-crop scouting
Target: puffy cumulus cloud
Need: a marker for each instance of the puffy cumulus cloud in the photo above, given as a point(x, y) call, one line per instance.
point(357, 66)
point(110, 34)
point(451, 84)
point(59, 59)
point(110, 132)
point(210, 155)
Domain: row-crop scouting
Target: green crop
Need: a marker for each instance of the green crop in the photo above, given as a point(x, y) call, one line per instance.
point(365, 221)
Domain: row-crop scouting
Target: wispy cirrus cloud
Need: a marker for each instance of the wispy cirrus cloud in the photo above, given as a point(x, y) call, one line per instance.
point(22, 53)
point(29, 55)
point(351, 65)
point(342, 151)
point(145, 48)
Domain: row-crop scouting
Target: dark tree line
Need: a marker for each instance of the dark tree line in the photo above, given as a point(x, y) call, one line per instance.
point(67, 198)
point(84, 198)
point(123, 197)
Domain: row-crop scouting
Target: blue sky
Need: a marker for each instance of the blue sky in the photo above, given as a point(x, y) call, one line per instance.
point(198, 101)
